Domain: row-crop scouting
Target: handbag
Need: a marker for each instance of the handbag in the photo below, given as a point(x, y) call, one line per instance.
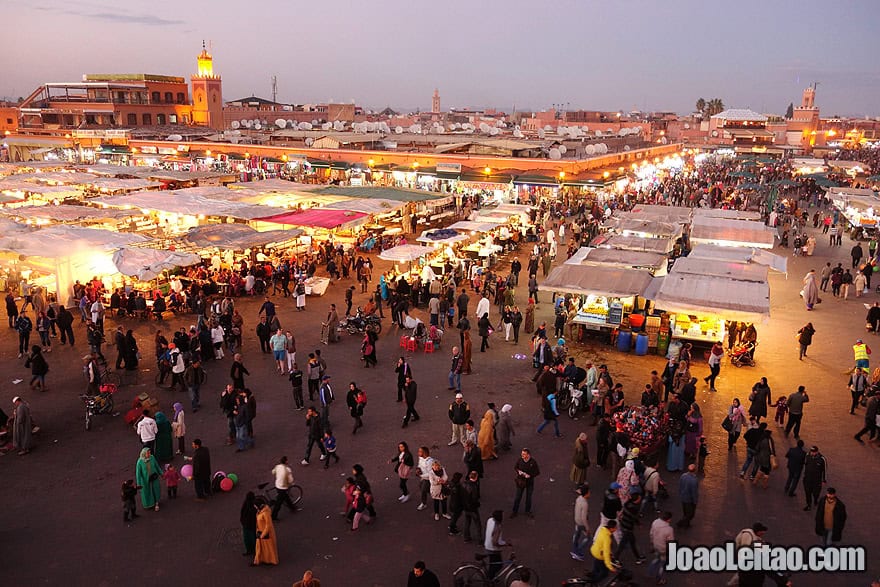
point(727, 424)
point(403, 471)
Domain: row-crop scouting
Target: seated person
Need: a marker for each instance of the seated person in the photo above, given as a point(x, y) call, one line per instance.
point(159, 306)
point(370, 308)
point(435, 335)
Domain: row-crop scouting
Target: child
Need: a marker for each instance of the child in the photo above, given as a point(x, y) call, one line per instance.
point(781, 409)
point(330, 447)
point(702, 453)
point(172, 478)
point(296, 380)
point(348, 490)
point(129, 492)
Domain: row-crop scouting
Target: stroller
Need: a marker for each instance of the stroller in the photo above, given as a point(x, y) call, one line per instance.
point(742, 355)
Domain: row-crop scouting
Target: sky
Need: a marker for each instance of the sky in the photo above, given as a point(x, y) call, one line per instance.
point(654, 55)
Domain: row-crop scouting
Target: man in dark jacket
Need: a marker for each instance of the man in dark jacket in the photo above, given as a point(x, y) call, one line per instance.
point(473, 458)
point(420, 576)
point(410, 392)
point(752, 437)
point(263, 333)
point(316, 433)
point(796, 456)
point(471, 504)
point(459, 413)
point(815, 468)
point(526, 470)
point(65, 325)
point(201, 463)
point(870, 419)
point(830, 518)
point(515, 268)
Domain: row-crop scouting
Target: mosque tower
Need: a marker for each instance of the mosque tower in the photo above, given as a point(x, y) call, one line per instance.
point(207, 93)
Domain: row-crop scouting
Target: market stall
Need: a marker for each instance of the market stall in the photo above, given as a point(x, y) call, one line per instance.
point(655, 263)
point(860, 207)
point(238, 237)
point(763, 257)
point(731, 233)
point(662, 246)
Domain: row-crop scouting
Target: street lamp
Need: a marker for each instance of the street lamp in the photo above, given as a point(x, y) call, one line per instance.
point(487, 170)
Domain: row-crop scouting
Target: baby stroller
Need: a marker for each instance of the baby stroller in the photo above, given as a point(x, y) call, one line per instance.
point(742, 355)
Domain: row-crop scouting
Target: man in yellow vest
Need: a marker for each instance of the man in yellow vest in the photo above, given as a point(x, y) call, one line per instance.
point(860, 353)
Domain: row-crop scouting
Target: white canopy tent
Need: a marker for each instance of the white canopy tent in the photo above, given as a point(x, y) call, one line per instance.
point(736, 233)
point(237, 237)
point(715, 268)
point(634, 243)
point(376, 206)
point(402, 253)
point(655, 262)
point(427, 238)
point(471, 226)
point(147, 264)
point(597, 279)
point(725, 213)
point(740, 255)
point(683, 293)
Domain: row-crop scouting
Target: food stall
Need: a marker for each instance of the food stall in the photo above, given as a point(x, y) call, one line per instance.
point(860, 207)
point(655, 263)
point(731, 233)
point(634, 243)
point(763, 257)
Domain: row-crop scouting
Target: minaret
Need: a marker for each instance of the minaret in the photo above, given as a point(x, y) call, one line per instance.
point(435, 102)
point(809, 98)
point(207, 90)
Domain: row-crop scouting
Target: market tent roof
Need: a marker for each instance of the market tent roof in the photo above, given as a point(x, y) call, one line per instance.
point(405, 253)
point(541, 180)
point(122, 185)
point(515, 208)
point(274, 185)
point(597, 279)
point(13, 184)
point(740, 255)
point(64, 177)
point(383, 193)
point(444, 236)
point(668, 213)
point(746, 301)
point(645, 226)
point(372, 206)
point(172, 202)
point(237, 237)
point(145, 263)
point(64, 213)
point(634, 243)
point(726, 213)
point(843, 192)
point(317, 218)
point(471, 226)
point(731, 232)
point(715, 268)
point(617, 257)
point(65, 240)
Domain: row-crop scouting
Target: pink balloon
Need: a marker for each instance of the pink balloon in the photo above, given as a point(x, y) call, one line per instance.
point(226, 484)
point(186, 471)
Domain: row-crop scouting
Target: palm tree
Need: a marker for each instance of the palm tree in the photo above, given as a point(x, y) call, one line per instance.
point(714, 106)
point(701, 105)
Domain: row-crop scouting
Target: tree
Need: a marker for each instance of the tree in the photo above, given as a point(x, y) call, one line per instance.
point(789, 112)
point(701, 105)
point(714, 106)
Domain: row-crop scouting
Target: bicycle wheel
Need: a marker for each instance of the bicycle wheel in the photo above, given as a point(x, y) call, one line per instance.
point(563, 400)
point(517, 574)
point(470, 576)
point(573, 409)
point(296, 494)
point(374, 327)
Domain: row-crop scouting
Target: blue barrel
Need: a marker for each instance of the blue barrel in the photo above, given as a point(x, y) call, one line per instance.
point(624, 340)
point(642, 344)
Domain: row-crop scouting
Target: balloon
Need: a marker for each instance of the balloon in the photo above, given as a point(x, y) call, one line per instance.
point(219, 474)
point(226, 484)
point(187, 471)
point(234, 478)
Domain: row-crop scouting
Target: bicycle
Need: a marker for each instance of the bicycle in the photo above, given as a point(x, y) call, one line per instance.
point(477, 574)
point(270, 494)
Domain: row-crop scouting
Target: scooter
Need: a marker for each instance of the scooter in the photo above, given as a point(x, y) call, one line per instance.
point(98, 404)
point(577, 395)
point(360, 323)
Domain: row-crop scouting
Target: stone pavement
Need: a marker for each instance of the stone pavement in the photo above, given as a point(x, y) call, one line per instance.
point(62, 519)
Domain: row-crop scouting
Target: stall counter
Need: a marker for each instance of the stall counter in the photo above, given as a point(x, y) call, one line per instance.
point(702, 328)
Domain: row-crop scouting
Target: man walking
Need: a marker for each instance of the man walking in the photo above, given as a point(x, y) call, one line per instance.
point(581, 536)
point(283, 480)
point(455, 370)
point(689, 494)
point(325, 395)
point(201, 463)
point(871, 411)
point(795, 456)
point(316, 434)
point(830, 518)
point(471, 504)
point(410, 391)
point(195, 377)
point(459, 413)
point(815, 467)
point(147, 429)
point(796, 403)
point(858, 383)
point(661, 535)
point(526, 469)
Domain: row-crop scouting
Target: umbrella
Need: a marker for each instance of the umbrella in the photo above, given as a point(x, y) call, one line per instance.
point(827, 183)
point(404, 253)
point(785, 183)
point(147, 264)
point(749, 186)
point(744, 174)
point(749, 163)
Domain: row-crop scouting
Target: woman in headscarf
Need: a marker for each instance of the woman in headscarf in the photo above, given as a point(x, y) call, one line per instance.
point(178, 428)
point(504, 428)
point(466, 350)
point(368, 349)
point(486, 437)
point(248, 519)
point(626, 478)
point(694, 429)
point(164, 441)
point(147, 473)
point(581, 460)
point(267, 546)
point(675, 452)
point(811, 289)
point(131, 352)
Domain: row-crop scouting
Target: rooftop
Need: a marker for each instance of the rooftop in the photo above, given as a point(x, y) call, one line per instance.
point(741, 114)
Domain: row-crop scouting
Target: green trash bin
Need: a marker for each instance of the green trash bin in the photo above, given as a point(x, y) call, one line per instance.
point(662, 343)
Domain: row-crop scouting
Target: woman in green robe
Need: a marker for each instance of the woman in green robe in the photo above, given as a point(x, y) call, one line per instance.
point(164, 441)
point(147, 474)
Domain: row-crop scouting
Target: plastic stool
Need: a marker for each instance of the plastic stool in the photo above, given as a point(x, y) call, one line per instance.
point(429, 346)
point(403, 340)
point(412, 344)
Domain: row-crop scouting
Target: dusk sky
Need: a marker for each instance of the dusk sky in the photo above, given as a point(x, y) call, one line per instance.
point(602, 55)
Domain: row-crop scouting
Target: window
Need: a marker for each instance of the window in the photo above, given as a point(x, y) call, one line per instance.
point(132, 119)
point(181, 98)
point(147, 119)
point(172, 119)
point(169, 97)
point(160, 119)
point(214, 98)
point(8, 121)
point(156, 97)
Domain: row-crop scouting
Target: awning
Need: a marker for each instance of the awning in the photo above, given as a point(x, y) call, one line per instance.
point(471, 226)
point(745, 301)
point(715, 268)
point(237, 237)
point(634, 243)
point(646, 226)
point(740, 255)
point(539, 180)
point(478, 177)
point(724, 231)
point(146, 264)
point(318, 163)
point(729, 214)
point(618, 258)
point(597, 279)
point(367, 206)
point(405, 253)
point(318, 218)
point(64, 240)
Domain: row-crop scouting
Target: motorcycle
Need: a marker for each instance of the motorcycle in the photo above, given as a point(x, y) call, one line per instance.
point(99, 404)
point(741, 355)
point(577, 396)
point(360, 324)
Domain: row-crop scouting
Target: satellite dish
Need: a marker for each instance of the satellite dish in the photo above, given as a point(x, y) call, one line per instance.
point(541, 133)
point(265, 123)
point(338, 125)
point(247, 123)
point(663, 140)
point(562, 149)
point(494, 131)
point(327, 126)
point(548, 128)
point(610, 131)
point(236, 132)
point(714, 133)
point(500, 124)
point(484, 128)
point(291, 123)
point(257, 126)
point(314, 122)
point(687, 125)
point(281, 123)
point(235, 124)
point(638, 129)
point(623, 132)
point(398, 130)
point(555, 154)
point(585, 129)
point(309, 141)
point(517, 133)
point(626, 147)
point(590, 150)
point(603, 147)
point(598, 133)
point(561, 130)
point(174, 138)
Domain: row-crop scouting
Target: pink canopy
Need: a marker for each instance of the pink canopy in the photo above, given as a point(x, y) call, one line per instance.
point(317, 218)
